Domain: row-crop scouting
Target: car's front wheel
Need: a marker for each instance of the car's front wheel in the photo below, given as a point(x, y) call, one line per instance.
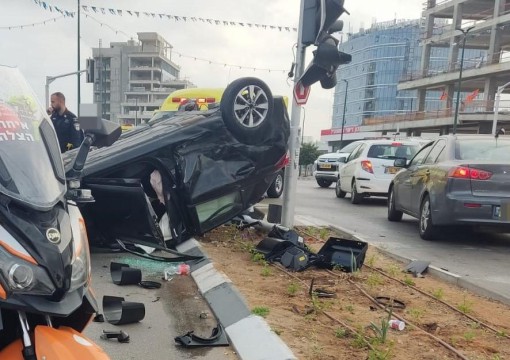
point(356, 197)
point(324, 183)
point(276, 188)
point(338, 190)
point(246, 108)
point(393, 214)
point(428, 231)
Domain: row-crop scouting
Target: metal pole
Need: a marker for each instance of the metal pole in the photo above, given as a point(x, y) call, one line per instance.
point(343, 116)
point(496, 107)
point(291, 171)
point(456, 116)
point(79, 54)
point(47, 92)
point(303, 131)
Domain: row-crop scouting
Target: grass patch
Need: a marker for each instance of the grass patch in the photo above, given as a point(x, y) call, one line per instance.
point(469, 335)
point(408, 281)
point(374, 280)
point(341, 333)
point(260, 311)
point(466, 306)
point(292, 289)
point(438, 294)
point(415, 313)
point(266, 271)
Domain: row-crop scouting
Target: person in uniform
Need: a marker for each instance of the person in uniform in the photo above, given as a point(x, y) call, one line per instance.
point(66, 124)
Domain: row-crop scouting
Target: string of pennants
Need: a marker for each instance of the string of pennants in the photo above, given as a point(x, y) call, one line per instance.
point(161, 16)
point(13, 27)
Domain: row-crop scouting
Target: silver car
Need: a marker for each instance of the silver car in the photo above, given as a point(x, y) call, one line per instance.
point(456, 180)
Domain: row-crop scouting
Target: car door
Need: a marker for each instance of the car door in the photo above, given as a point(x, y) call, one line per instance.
point(424, 174)
point(403, 182)
point(348, 169)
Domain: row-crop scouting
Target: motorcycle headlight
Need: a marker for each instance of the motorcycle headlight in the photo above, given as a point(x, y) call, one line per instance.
point(22, 273)
point(81, 255)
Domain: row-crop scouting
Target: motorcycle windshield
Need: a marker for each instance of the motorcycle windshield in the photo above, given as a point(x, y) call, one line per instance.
point(31, 169)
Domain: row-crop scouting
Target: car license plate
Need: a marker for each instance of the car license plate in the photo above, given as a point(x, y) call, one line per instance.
point(325, 166)
point(497, 212)
point(391, 170)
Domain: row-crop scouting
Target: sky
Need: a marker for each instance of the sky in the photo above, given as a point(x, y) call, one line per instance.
point(51, 49)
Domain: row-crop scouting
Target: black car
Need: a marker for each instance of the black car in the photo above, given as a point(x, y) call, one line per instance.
point(188, 172)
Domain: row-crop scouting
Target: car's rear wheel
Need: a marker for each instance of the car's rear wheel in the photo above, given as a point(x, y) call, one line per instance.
point(428, 231)
point(356, 197)
point(276, 188)
point(324, 183)
point(338, 190)
point(246, 108)
point(393, 214)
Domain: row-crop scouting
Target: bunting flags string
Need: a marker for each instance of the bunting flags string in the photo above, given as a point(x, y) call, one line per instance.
point(24, 26)
point(211, 62)
point(177, 18)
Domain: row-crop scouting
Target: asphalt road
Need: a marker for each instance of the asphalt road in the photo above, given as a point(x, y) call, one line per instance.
point(481, 257)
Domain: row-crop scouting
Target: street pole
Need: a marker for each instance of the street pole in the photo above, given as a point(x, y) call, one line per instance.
point(496, 107)
point(291, 171)
point(50, 79)
point(343, 116)
point(79, 65)
point(456, 116)
point(303, 130)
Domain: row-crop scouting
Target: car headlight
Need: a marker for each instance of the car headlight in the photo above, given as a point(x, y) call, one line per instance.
point(81, 255)
point(21, 272)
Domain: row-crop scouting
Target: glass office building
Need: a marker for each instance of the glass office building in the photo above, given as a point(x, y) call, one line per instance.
point(380, 56)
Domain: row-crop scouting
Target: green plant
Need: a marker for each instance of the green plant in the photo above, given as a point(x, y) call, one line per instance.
point(350, 309)
point(266, 271)
point(393, 270)
point(292, 289)
point(341, 333)
point(415, 313)
point(359, 342)
point(317, 304)
point(474, 325)
point(379, 355)
point(466, 306)
point(501, 333)
point(258, 258)
point(469, 336)
point(381, 332)
point(260, 311)
point(277, 331)
point(371, 260)
point(323, 233)
point(438, 294)
point(374, 280)
point(408, 281)
point(496, 357)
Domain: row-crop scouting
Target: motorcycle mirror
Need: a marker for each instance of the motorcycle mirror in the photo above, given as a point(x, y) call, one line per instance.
point(105, 132)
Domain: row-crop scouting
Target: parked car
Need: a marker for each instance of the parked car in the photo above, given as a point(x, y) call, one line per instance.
point(326, 168)
point(457, 180)
point(369, 168)
point(210, 166)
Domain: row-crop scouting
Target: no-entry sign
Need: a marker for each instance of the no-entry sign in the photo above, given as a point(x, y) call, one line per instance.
point(301, 93)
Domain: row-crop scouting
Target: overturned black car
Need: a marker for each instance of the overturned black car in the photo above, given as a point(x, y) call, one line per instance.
point(185, 173)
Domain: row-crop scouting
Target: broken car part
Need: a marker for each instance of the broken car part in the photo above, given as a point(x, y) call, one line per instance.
point(122, 274)
point(121, 336)
point(218, 338)
point(417, 267)
point(120, 312)
point(320, 292)
point(348, 255)
point(390, 302)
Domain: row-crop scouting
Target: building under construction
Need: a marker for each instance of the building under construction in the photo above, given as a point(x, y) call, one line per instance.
point(470, 34)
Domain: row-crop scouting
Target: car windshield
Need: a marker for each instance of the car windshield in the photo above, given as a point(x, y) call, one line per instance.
point(349, 148)
point(483, 149)
point(392, 151)
point(31, 169)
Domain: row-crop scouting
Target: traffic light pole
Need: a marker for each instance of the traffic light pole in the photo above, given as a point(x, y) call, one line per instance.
point(50, 79)
point(292, 170)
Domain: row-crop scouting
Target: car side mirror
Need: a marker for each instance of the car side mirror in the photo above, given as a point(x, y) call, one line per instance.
point(400, 162)
point(104, 132)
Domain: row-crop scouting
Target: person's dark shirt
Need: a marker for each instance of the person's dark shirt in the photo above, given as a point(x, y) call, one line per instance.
point(68, 130)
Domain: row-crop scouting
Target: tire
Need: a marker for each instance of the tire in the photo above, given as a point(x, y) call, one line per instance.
point(247, 108)
point(427, 230)
point(324, 183)
point(393, 214)
point(356, 198)
point(338, 191)
point(276, 188)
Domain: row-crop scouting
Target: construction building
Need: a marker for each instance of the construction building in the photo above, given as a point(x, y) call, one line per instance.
point(133, 78)
point(472, 34)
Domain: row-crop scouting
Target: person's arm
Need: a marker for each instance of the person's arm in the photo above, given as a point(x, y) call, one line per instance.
point(76, 135)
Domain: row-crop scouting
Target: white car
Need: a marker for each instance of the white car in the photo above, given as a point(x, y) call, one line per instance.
point(369, 169)
point(326, 169)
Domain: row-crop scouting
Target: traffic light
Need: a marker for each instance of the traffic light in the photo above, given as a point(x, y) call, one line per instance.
point(320, 20)
point(90, 70)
